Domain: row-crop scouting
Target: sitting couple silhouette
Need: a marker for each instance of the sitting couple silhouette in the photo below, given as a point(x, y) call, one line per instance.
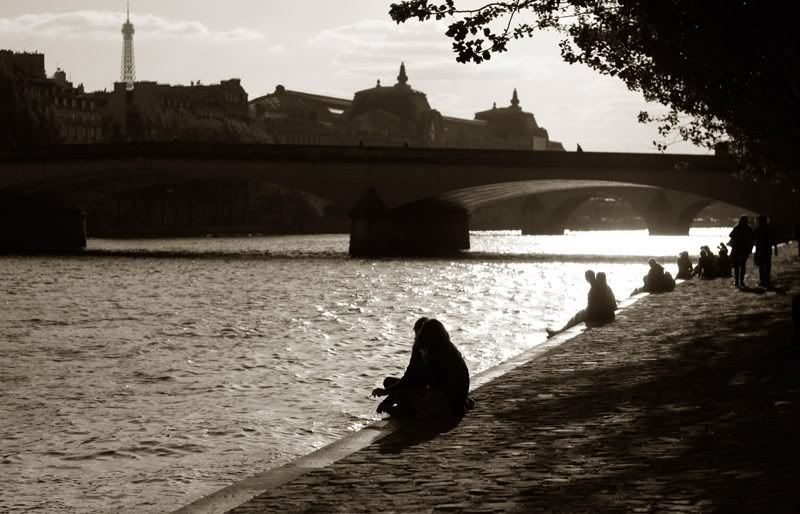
point(600, 304)
point(436, 374)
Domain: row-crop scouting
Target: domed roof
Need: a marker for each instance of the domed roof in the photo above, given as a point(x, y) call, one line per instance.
point(512, 111)
point(512, 119)
point(400, 100)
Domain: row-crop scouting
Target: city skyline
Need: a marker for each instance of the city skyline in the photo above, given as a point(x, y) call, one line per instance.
point(351, 48)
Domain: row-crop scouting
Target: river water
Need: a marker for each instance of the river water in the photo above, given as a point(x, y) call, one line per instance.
point(148, 373)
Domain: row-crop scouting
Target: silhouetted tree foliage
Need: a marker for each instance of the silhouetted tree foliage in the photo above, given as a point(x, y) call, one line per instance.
point(727, 69)
point(185, 125)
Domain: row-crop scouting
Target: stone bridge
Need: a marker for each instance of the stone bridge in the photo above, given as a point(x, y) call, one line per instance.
point(401, 200)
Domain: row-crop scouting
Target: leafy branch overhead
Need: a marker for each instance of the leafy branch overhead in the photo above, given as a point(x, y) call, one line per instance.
point(727, 69)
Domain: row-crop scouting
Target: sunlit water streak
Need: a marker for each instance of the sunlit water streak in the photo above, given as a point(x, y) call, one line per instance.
point(152, 372)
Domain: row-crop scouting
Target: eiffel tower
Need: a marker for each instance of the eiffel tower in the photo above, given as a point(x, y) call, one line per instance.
point(128, 66)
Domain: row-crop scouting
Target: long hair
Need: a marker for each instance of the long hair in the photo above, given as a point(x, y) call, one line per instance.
point(418, 324)
point(433, 336)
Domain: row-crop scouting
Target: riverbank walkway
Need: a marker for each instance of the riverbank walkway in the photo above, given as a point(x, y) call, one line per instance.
point(688, 402)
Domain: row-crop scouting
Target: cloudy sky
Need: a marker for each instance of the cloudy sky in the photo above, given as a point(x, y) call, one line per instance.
point(331, 47)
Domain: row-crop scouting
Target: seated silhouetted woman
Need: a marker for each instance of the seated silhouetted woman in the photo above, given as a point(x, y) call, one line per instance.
point(706, 265)
point(657, 280)
point(684, 266)
point(723, 262)
point(436, 367)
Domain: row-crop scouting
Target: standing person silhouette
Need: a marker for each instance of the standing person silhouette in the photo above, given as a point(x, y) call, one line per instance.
point(741, 244)
point(765, 242)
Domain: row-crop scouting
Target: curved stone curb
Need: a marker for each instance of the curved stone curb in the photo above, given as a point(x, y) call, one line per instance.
point(238, 493)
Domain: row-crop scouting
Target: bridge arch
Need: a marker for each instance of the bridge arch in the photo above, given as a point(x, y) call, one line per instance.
point(664, 211)
point(591, 202)
point(721, 214)
point(559, 219)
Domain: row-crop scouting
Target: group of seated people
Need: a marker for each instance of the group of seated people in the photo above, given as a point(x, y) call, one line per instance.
point(437, 372)
point(438, 375)
point(709, 266)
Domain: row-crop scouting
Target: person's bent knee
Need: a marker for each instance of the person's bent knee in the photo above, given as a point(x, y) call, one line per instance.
point(390, 381)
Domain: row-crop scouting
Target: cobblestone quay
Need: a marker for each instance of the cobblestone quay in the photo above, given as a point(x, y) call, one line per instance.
point(688, 402)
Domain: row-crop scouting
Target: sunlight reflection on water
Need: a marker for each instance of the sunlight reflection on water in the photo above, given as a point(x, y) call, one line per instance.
point(603, 243)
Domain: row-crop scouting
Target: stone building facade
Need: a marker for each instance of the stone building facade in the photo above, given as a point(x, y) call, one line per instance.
point(512, 128)
point(197, 113)
point(294, 117)
point(26, 98)
point(79, 115)
point(392, 116)
point(45, 109)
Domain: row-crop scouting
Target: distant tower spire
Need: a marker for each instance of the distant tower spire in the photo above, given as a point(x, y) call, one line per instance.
point(128, 66)
point(515, 99)
point(402, 78)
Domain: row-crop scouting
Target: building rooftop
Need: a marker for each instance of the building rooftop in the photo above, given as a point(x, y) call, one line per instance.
point(330, 101)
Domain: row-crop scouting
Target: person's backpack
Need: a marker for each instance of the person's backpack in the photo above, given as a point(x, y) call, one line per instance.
point(669, 282)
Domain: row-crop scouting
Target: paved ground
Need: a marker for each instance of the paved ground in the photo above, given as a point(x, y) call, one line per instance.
point(687, 403)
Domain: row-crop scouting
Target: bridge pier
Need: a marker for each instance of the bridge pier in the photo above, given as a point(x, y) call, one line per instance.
point(538, 222)
point(40, 229)
point(420, 229)
point(667, 227)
